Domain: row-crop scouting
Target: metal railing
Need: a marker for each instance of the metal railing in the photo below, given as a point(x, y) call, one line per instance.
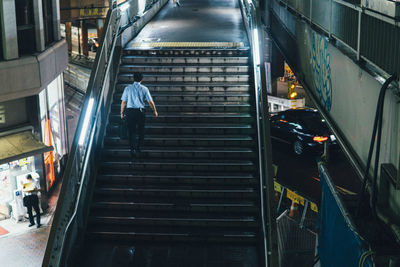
point(369, 29)
point(81, 162)
point(79, 177)
point(253, 24)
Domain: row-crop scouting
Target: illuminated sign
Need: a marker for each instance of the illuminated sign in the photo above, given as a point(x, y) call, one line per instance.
point(2, 114)
point(92, 12)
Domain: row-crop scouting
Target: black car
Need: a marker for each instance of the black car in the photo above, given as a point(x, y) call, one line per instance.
point(301, 128)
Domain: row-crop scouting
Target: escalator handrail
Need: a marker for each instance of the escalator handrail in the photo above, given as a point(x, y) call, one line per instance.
point(253, 27)
point(74, 160)
point(89, 147)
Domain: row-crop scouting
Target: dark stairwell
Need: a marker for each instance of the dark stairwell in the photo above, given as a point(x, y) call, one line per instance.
point(192, 197)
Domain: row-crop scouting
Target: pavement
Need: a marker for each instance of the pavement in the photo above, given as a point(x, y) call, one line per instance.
point(25, 246)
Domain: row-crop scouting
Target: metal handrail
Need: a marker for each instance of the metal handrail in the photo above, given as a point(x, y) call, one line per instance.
point(69, 218)
point(85, 164)
point(77, 165)
point(253, 26)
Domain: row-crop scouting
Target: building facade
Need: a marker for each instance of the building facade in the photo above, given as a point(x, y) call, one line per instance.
point(32, 115)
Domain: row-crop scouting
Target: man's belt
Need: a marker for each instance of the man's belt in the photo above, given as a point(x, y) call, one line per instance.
point(140, 109)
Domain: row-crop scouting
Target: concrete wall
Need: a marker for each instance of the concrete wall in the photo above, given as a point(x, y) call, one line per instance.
point(8, 29)
point(28, 75)
point(347, 92)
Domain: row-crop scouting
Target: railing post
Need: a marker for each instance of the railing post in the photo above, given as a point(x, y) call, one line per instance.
point(264, 144)
point(359, 34)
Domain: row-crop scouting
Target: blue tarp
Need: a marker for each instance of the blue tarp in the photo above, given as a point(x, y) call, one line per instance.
point(338, 242)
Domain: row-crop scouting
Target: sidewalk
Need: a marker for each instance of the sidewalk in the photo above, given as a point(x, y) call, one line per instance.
point(25, 246)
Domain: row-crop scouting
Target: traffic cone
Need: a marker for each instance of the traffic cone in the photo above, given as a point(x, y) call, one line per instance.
point(277, 197)
point(294, 211)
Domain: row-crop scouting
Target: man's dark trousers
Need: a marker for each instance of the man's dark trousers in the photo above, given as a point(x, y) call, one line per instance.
point(135, 119)
point(33, 201)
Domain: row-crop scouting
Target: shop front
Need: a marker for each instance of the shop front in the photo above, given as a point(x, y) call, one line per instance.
point(33, 140)
point(21, 154)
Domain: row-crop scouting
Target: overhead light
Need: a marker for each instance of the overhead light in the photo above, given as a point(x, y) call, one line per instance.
point(141, 6)
point(86, 121)
point(256, 47)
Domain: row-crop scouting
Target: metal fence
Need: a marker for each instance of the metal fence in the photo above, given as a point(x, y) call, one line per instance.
point(81, 162)
point(371, 31)
point(296, 245)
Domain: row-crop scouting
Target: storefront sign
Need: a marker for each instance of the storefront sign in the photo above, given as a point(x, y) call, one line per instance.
point(92, 12)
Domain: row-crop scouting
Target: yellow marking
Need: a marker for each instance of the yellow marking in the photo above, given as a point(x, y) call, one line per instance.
point(187, 44)
point(295, 197)
point(313, 206)
point(277, 187)
point(346, 191)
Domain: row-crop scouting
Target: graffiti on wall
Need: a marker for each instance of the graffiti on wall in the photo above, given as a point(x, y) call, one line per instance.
point(321, 69)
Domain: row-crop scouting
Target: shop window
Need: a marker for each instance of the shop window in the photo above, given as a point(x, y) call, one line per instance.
point(25, 26)
point(12, 176)
point(53, 128)
point(48, 21)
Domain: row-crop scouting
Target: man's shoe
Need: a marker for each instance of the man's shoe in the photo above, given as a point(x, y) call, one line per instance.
point(38, 226)
point(31, 224)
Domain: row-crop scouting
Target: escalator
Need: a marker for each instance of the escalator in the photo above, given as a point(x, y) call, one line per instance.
point(193, 197)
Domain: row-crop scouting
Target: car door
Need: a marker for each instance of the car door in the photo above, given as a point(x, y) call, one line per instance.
point(292, 128)
point(280, 127)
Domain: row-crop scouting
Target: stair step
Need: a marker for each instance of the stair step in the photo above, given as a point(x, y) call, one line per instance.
point(181, 179)
point(171, 235)
point(200, 108)
point(183, 60)
point(173, 152)
point(184, 68)
point(123, 192)
point(194, 98)
point(188, 52)
point(190, 87)
point(185, 128)
point(192, 117)
point(187, 77)
point(184, 140)
point(157, 221)
point(107, 207)
point(214, 165)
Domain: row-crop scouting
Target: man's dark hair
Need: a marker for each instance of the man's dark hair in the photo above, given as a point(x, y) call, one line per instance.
point(137, 76)
point(29, 177)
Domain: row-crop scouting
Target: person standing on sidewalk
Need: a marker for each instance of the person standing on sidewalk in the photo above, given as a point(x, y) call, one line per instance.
point(133, 106)
point(31, 200)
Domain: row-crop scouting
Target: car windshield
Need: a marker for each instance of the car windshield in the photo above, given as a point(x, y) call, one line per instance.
point(314, 121)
